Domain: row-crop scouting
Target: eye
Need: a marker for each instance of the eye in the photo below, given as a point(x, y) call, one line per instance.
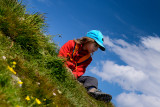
point(96, 45)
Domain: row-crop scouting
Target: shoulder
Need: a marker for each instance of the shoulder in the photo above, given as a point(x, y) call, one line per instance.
point(71, 42)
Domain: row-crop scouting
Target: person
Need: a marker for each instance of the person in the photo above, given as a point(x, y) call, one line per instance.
point(77, 54)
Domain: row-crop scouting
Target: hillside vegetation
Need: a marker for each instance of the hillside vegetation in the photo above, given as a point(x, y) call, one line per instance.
point(31, 74)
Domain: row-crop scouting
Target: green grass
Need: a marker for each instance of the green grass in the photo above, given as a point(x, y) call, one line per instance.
point(40, 74)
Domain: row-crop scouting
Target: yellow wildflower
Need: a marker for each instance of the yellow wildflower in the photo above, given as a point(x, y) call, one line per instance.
point(20, 82)
point(38, 101)
point(14, 66)
point(31, 97)
point(27, 98)
point(44, 99)
point(12, 70)
point(17, 106)
point(14, 63)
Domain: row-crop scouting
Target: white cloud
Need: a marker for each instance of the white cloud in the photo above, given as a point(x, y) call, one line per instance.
point(142, 72)
point(152, 43)
point(107, 41)
point(135, 100)
point(123, 75)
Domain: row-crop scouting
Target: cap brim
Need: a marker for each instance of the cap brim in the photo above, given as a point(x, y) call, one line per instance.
point(102, 48)
point(101, 45)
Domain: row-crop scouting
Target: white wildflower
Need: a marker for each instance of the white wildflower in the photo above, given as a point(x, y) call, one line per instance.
point(59, 92)
point(38, 83)
point(17, 80)
point(4, 57)
point(54, 94)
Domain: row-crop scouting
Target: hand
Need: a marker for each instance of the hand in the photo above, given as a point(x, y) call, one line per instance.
point(69, 70)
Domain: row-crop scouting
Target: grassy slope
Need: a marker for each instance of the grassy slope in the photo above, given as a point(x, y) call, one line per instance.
point(40, 74)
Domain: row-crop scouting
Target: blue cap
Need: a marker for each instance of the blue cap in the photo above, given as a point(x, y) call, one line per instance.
point(97, 36)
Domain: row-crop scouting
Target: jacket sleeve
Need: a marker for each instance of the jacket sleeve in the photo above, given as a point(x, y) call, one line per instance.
point(67, 48)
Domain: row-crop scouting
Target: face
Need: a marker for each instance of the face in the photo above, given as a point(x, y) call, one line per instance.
point(91, 47)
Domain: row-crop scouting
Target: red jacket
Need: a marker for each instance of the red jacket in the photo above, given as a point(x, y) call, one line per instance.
point(68, 48)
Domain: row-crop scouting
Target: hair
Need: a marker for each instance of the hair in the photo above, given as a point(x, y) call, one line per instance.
point(84, 40)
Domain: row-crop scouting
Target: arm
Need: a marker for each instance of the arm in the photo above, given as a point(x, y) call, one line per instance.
point(67, 48)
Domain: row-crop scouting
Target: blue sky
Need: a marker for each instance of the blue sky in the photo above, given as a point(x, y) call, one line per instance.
point(129, 69)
